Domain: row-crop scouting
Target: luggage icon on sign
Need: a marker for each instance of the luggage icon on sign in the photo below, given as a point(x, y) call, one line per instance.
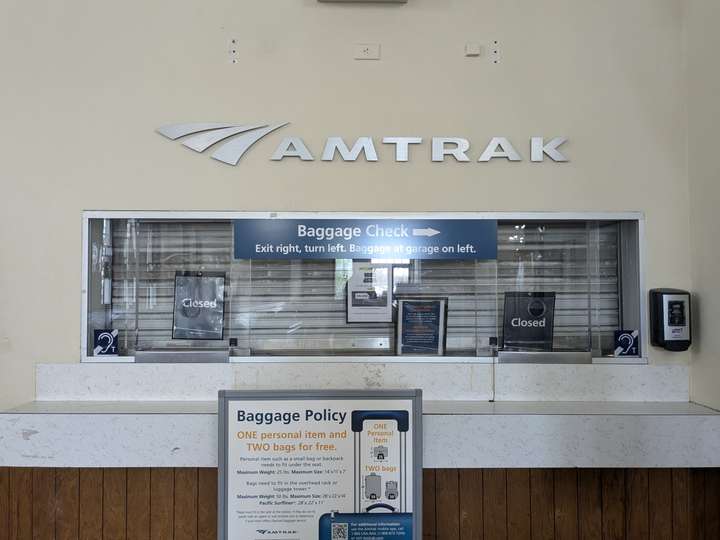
point(373, 486)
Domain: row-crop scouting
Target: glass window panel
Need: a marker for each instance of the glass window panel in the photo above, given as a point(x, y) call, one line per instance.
point(298, 307)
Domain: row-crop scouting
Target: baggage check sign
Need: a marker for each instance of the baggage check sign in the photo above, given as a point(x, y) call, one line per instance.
point(327, 465)
point(365, 238)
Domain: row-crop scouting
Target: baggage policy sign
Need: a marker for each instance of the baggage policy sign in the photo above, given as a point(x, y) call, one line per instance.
point(320, 464)
point(365, 238)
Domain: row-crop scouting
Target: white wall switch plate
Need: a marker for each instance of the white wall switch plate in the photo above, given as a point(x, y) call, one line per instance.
point(367, 51)
point(473, 49)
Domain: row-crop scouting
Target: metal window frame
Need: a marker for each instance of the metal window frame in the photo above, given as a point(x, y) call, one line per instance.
point(636, 216)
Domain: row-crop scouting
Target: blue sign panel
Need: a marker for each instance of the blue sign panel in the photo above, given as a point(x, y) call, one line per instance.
point(365, 239)
point(627, 343)
point(105, 342)
point(422, 325)
point(385, 526)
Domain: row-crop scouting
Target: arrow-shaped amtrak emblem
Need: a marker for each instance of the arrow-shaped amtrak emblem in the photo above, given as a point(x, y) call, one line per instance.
point(427, 231)
point(206, 134)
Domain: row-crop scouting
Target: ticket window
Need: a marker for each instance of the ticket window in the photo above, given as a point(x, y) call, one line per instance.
point(565, 295)
point(582, 274)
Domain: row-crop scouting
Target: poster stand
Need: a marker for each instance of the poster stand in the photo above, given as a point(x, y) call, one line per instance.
point(326, 464)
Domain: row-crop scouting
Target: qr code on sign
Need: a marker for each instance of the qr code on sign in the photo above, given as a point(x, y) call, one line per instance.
point(339, 531)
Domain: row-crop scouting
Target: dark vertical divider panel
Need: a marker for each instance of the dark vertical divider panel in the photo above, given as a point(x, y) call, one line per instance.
point(43, 504)
point(447, 501)
point(429, 510)
point(566, 504)
point(590, 504)
point(697, 504)
point(541, 504)
point(680, 504)
point(518, 504)
point(613, 504)
point(186, 504)
point(162, 489)
point(114, 504)
point(660, 505)
point(91, 501)
point(21, 495)
point(207, 504)
point(712, 503)
point(67, 510)
point(471, 504)
point(138, 504)
point(4, 503)
point(637, 504)
point(495, 514)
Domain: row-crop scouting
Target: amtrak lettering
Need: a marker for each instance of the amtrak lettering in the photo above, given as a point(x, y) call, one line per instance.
point(234, 140)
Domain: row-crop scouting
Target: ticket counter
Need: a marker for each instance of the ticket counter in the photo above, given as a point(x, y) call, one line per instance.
point(472, 198)
point(552, 288)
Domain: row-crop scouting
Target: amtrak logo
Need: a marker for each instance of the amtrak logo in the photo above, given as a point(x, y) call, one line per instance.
point(210, 133)
point(203, 135)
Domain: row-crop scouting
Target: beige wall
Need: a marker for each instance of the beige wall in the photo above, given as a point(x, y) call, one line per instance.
point(84, 84)
point(704, 172)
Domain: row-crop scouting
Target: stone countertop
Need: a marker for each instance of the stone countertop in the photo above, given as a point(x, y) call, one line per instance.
point(430, 408)
point(471, 434)
point(439, 381)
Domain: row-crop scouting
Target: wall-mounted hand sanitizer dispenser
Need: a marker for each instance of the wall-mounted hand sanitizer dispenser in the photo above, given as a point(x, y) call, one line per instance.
point(670, 319)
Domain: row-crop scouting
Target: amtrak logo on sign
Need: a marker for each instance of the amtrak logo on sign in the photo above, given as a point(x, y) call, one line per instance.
point(234, 140)
point(210, 133)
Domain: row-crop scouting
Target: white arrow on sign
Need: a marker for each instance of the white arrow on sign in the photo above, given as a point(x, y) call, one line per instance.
point(425, 232)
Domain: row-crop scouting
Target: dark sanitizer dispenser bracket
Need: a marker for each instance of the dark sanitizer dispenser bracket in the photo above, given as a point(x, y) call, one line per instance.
point(670, 319)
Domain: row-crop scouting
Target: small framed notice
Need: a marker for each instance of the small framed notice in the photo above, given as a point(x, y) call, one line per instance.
point(369, 293)
point(320, 464)
point(199, 311)
point(422, 326)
